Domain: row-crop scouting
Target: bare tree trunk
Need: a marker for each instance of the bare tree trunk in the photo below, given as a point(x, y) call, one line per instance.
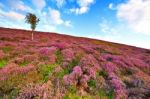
point(32, 35)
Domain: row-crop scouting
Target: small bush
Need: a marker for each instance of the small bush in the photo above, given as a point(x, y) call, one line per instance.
point(92, 83)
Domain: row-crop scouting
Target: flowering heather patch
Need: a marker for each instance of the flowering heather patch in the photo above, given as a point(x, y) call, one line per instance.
point(2, 54)
point(60, 45)
point(55, 66)
point(13, 68)
point(68, 54)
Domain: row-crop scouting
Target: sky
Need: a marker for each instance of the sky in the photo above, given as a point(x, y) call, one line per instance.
point(121, 21)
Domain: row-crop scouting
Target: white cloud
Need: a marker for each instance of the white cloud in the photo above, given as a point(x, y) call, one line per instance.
point(12, 15)
point(111, 6)
point(60, 3)
point(40, 4)
point(81, 10)
point(19, 5)
point(83, 6)
point(137, 15)
point(55, 17)
point(106, 28)
point(68, 24)
point(85, 2)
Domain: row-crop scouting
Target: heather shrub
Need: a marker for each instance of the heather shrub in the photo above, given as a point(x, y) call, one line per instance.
point(21, 61)
point(72, 63)
point(44, 40)
point(40, 91)
point(74, 77)
point(101, 50)
point(10, 85)
point(126, 72)
point(2, 54)
point(31, 77)
point(7, 49)
point(47, 54)
point(68, 54)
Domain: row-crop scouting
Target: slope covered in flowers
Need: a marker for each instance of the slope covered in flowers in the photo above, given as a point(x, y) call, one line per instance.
point(55, 66)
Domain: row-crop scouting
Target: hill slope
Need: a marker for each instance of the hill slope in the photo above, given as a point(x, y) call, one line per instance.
point(66, 67)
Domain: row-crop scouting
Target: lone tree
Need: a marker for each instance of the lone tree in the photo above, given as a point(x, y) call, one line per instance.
point(32, 20)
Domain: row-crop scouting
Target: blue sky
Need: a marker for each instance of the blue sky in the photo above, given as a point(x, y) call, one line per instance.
point(122, 21)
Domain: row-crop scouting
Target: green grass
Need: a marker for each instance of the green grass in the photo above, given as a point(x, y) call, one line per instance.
point(3, 62)
point(102, 73)
point(111, 94)
point(102, 94)
point(59, 56)
point(62, 73)
point(92, 83)
point(46, 71)
point(7, 49)
point(24, 63)
point(75, 96)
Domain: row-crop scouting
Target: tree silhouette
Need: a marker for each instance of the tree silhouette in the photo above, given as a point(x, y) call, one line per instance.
point(32, 20)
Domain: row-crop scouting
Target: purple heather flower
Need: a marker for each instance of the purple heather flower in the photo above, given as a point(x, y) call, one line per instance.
point(77, 70)
point(68, 54)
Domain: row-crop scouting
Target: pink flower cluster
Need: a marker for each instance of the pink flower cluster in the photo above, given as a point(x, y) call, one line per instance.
point(89, 64)
point(68, 54)
point(82, 73)
point(47, 50)
point(2, 54)
point(87, 48)
point(60, 45)
point(115, 82)
point(119, 88)
point(13, 68)
point(42, 91)
point(72, 79)
point(110, 67)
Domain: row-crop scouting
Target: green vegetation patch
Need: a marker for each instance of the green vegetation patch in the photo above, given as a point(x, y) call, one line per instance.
point(73, 63)
point(7, 49)
point(24, 63)
point(62, 73)
point(59, 56)
point(102, 73)
point(46, 70)
point(92, 83)
point(103, 95)
point(3, 62)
